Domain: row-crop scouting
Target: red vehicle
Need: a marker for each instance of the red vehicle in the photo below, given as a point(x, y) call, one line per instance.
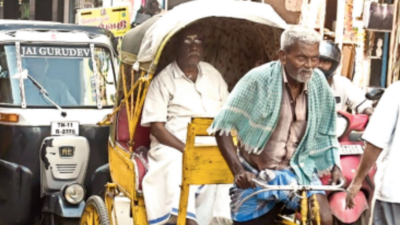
point(349, 131)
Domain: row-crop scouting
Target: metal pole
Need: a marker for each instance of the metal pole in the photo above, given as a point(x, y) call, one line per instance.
point(393, 40)
point(341, 4)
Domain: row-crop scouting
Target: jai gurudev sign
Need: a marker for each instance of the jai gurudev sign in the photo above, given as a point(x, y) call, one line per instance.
point(28, 51)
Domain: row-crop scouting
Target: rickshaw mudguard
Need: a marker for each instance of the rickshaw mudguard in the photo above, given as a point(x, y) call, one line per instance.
point(99, 179)
point(16, 183)
point(337, 202)
point(55, 204)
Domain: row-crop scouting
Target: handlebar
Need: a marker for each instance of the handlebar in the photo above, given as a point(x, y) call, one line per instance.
point(293, 188)
point(267, 187)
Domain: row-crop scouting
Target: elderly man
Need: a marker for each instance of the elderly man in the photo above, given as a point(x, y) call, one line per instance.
point(185, 88)
point(284, 116)
point(346, 93)
point(383, 141)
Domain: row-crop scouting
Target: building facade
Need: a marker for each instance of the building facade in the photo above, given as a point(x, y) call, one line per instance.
point(45, 10)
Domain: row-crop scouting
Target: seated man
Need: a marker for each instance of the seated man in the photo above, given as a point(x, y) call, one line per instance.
point(284, 116)
point(185, 88)
point(347, 95)
point(57, 90)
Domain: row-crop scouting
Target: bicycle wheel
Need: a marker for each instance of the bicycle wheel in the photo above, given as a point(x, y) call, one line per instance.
point(95, 212)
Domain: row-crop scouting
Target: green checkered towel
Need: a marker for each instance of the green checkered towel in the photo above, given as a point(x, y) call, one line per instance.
point(252, 111)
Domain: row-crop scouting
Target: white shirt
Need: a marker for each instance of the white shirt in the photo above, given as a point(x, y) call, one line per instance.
point(383, 131)
point(347, 95)
point(174, 99)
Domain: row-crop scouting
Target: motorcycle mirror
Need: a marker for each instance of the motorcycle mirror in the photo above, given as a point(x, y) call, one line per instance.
point(374, 94)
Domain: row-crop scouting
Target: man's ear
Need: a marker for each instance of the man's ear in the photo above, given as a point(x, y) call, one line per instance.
point(282, 56)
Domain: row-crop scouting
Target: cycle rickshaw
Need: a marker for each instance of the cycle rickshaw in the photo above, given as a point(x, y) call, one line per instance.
point(237, 34)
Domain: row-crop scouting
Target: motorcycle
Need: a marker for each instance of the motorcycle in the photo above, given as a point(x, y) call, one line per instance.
point(349, 131)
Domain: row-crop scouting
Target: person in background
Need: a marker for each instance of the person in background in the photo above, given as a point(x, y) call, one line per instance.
point(347, 95)
point(57, 90)
point(383, 144)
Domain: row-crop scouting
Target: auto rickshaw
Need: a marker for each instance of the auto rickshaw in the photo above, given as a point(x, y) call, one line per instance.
point(237, 34)
point(56, 82)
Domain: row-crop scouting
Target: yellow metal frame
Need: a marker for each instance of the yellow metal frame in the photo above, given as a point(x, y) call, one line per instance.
point(201, 164)
point(206, 165)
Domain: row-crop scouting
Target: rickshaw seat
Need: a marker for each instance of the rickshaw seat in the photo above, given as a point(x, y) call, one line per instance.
point(142, 134)
point(140, 147)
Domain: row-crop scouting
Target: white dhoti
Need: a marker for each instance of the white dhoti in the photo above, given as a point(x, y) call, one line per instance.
point(207, 204)
point(174, 99)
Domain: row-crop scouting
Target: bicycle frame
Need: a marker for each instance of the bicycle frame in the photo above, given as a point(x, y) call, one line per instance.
point(304, 201)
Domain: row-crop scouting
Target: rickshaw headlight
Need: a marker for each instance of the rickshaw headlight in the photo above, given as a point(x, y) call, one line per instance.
point(74, 193)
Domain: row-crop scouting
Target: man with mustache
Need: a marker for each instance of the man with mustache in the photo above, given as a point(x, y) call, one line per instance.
point(185, 88)
point(284, 116)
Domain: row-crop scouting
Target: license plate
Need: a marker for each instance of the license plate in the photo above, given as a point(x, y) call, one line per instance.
point(64, 128)
point(351, 150)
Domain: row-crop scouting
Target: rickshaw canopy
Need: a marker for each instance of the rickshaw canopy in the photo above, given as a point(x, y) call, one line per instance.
point(195, 11)
point(132, 40)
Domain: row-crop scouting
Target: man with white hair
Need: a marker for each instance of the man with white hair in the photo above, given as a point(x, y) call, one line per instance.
point(284, 116)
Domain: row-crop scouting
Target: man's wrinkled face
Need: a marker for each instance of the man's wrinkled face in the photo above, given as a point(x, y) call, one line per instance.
point(190, 48)
point(300, 61)
point(325, 65)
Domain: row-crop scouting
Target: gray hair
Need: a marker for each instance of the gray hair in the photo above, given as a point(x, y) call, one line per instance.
point(298, 33)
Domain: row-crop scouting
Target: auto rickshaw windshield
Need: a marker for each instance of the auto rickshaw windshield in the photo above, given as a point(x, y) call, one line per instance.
point(65, 72)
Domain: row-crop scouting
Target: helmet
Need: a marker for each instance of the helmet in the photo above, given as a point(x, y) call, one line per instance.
point(330, 52)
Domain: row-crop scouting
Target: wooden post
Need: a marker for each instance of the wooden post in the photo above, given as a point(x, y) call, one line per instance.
point(393, 37)
point(66, 11)
point(54, 10)
point(340, 23)
point(32, 6)
point(1, 9)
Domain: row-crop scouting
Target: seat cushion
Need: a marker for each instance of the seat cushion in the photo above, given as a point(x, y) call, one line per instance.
point(142, 134)
point(122, 126)
point(140, 162)
point(141, 170)
point(141, 144)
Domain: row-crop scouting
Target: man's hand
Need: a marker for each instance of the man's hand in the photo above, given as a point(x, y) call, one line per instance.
point(352, 190)
point(244, 180)
point(336, 176)
point(368, 111)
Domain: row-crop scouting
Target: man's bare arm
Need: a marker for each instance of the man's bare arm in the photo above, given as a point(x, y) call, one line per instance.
point(165, 137)
point(243, 178)
point(368, 159)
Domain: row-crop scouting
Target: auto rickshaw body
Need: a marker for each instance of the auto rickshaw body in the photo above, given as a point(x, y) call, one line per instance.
point(57, 81)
